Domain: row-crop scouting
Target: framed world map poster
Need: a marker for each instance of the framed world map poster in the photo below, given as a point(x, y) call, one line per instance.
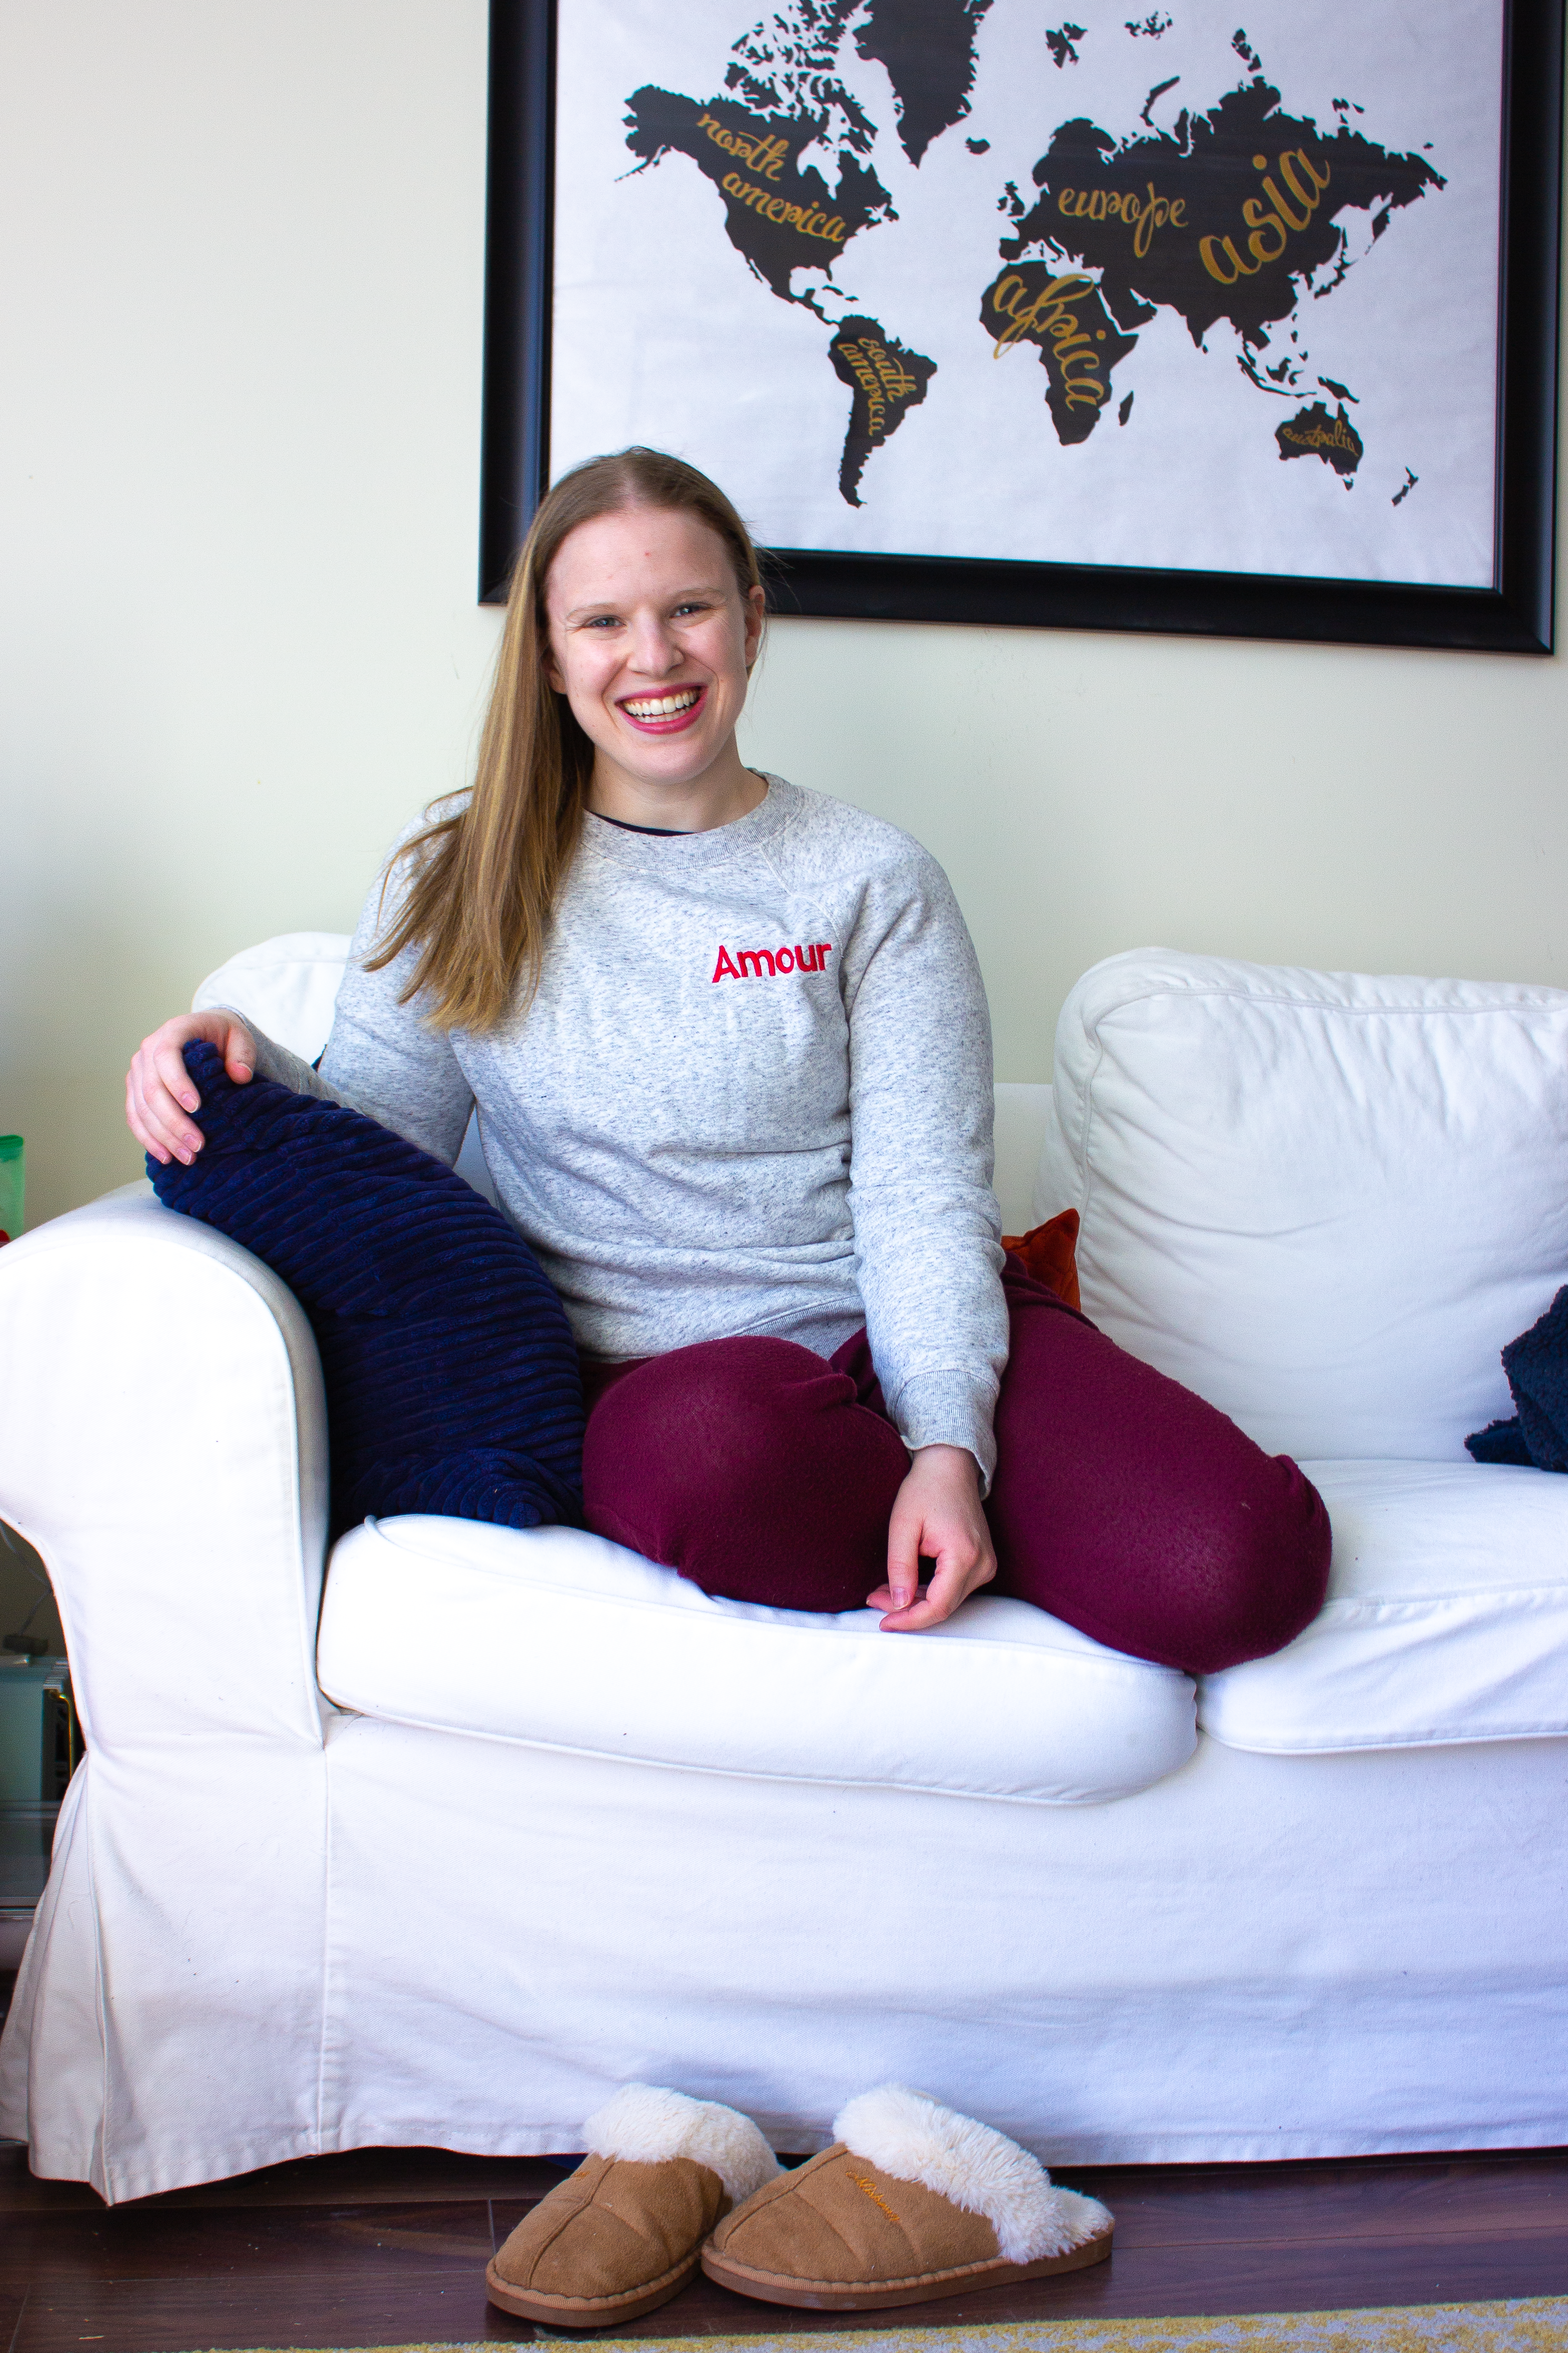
point(1013, 311)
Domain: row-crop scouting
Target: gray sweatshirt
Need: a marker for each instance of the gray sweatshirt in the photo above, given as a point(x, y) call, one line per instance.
point(752, 1095)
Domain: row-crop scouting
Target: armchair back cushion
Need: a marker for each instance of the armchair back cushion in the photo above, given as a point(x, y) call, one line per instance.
point(1323, 1200)
point(289, 986)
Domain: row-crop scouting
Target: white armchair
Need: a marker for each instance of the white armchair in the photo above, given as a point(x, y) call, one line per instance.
point(513, 1817)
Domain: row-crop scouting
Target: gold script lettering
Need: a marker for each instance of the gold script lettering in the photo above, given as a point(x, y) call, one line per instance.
point(1337, 437)
point(1142, 216)
point(1283, 209)
point(1207, 248)
point(880, 377)
point(764, 155)
point(807, 218)
point(1281, 221)
point(1287, 173)
point(1051, 313)
point(1259, 218)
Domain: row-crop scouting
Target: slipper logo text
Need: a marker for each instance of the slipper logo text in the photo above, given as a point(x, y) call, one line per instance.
point(874, 2194)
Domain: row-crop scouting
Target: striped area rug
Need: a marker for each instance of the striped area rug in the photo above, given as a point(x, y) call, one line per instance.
point(1528, 2325)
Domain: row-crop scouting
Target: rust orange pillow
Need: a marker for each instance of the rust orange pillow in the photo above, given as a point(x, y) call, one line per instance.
point(1049, 1253)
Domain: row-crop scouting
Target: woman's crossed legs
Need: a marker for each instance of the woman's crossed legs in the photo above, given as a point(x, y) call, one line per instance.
point(1123, 1503)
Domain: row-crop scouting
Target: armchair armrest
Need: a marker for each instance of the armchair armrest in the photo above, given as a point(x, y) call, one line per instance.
point(163, 1444)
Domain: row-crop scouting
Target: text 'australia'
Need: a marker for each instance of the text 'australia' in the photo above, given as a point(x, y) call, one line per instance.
point(756, 963)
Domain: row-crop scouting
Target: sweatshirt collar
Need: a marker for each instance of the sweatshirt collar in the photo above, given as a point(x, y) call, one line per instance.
point(690, 851)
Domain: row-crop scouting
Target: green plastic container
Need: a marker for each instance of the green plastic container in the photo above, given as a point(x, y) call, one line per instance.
point(10, 1187)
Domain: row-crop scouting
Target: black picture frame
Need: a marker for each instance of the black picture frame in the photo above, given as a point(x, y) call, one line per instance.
point(1514, 617)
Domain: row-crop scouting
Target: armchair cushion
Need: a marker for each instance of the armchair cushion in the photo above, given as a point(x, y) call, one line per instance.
point(451, 1375)
point(1446, 1620)
point(564, 1640)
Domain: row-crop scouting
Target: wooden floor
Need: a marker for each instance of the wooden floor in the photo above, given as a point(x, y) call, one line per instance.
point(389, 2246)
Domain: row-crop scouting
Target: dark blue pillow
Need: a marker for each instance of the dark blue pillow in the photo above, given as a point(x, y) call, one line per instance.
point(452, 1380)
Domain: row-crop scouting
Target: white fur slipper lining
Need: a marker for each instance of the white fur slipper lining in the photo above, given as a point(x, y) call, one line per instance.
point(646, 2125)
point(916, 2139)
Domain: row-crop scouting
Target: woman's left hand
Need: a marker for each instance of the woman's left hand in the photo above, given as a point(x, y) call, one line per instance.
point(937, 1513)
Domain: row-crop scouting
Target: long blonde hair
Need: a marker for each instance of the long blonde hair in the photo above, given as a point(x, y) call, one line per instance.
point(485, 877)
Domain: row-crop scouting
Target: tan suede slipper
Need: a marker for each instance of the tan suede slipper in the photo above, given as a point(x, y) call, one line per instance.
point(624, 2233)
point(912, 2202)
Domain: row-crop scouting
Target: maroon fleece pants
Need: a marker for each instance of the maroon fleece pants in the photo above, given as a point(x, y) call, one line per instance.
point(1121, 1501)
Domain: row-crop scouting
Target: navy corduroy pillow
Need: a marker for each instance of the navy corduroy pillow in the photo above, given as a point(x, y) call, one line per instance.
point(451, 1376)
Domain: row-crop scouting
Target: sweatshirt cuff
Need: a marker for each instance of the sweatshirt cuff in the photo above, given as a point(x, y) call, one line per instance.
point(278, 1063)
point(950, 1408)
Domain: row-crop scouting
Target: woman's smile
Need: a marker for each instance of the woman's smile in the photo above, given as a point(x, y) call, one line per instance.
point(666, 713)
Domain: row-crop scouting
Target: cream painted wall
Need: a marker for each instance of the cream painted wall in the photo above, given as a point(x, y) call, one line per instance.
point(241, 251)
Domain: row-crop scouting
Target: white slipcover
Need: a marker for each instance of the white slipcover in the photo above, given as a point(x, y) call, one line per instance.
point(276, 1926)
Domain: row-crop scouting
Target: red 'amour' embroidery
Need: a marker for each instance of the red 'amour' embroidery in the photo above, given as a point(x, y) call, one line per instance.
point(755, 962)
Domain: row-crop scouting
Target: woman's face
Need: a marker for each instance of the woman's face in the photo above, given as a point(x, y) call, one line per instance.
point(651, 642)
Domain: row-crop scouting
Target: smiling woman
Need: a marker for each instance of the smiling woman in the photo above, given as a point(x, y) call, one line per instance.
point(766, 1208)
point(767, 1211)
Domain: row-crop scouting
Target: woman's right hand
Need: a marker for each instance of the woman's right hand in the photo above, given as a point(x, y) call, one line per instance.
point(158, 1089)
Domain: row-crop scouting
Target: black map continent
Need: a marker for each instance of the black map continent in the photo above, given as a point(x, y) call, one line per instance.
point(928, 48)
point(1219, 219)
point(885, 380)
point(1313, 432)
point(1063, 314)
point(778, 218)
